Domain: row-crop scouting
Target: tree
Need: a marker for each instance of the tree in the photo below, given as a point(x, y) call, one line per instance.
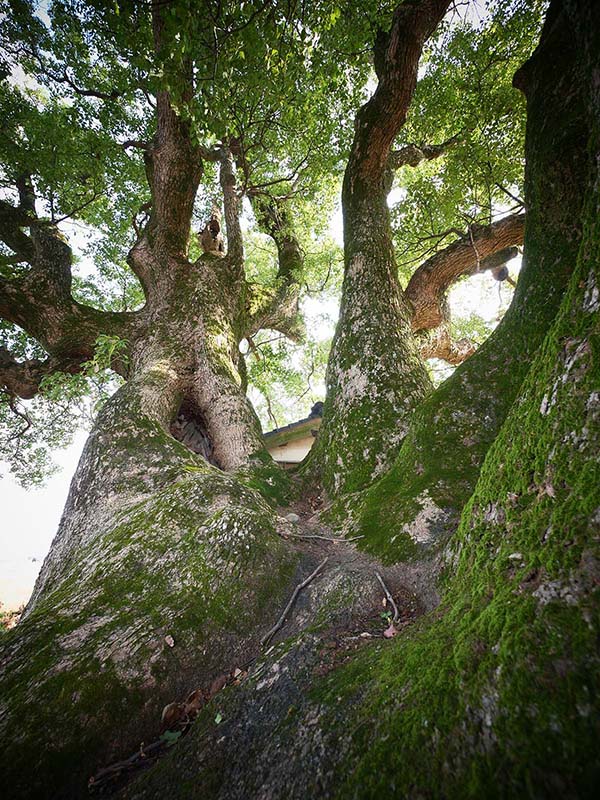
point(171, 564)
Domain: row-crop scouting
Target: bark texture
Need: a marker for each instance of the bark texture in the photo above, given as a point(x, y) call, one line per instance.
point(375, 376)
point(439, 461)
point(154, 542)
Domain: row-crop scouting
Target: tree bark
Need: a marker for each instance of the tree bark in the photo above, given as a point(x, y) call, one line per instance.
point(154, 541)
point(375, 376)
point(440, 458)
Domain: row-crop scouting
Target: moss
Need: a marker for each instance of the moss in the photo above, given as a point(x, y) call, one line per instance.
point(197, 559)
point(496, 694)
point(268, 478)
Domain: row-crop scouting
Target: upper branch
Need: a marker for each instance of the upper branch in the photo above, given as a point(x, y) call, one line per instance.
point(483, 247)
point(396, 61)
point(412, 155)
point(233, 207)
point(173, 169)
point(279, 308)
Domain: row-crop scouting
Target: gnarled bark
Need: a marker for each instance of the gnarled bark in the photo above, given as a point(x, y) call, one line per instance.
point(440, 458)
point(375, 376)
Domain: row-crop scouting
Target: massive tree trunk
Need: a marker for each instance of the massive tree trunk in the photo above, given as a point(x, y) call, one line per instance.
point(439, 460)
point(167, 566)
point(496, 693)
point(375, 376)
point(154, 542)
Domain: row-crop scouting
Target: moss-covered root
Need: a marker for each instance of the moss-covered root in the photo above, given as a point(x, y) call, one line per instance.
point(84, 677)
point(416, 504)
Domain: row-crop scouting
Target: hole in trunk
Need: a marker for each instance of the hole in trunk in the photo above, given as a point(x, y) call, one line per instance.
point(189, 428)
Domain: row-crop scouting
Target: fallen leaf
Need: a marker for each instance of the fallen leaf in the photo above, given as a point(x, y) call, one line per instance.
point(172, 715)
point(170, 737)
point(390, 632)
point(194, 702)
point(170, 641)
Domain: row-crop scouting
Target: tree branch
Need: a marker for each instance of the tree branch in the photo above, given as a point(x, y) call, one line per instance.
point(173, 164)
point(66, 329)
point(232, 204)
point(483, 247)
point(23, 378)
point(438, 343)
point(396, 62)
point(12, 220)
point(412, 155)
point(278, 309)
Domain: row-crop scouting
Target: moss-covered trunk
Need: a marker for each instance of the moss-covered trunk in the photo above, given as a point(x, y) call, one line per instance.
point(154, 542)
point(375, 375)
point(439, 461)
point(496, 694)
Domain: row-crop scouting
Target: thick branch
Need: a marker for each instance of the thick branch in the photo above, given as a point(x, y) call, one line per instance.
point(23, 378)
point(12, 221)
point(438, 342)
point(379, 120)
point(174, 165)
point(66, 329)
point(279, 308)
point(483, 247)
point(233, 207)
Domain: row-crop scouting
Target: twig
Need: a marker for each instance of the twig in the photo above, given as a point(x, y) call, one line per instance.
point(514, 197)
point(477, 258)
point(268, 636)
point(389, 598)
point(138, 759)
point(339, 540)
point(326, 507)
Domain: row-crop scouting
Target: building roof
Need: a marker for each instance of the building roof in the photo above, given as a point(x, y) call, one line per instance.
point(295, 430)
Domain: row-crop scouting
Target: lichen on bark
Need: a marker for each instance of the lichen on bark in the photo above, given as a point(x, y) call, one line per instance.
point(439, 459)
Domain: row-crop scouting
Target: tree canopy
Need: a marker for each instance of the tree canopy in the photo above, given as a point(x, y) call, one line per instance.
point(283, 82)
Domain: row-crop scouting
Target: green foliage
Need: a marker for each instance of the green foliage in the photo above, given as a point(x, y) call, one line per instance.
point(465, 89)
point(30, 430)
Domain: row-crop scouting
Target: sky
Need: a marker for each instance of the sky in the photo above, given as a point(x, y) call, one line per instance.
point(28, 522)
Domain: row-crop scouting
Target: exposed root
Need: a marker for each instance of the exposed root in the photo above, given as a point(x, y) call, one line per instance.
point(389, 598)
point(279, 624)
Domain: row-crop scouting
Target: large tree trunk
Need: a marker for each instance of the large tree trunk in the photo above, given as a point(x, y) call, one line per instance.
point(375, 375)
point(439, 461)
point(154, 542)
point(496, 694)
